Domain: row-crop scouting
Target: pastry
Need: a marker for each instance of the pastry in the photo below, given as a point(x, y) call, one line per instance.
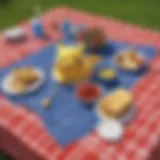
point(130, 60)
point(18, 86)
point(116, 104)
point(27, 75)
point(23, 78)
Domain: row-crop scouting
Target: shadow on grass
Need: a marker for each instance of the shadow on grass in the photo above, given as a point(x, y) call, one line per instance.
point(5, 3)
point(4, 156)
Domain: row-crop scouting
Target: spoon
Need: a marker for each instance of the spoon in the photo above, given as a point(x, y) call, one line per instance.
point(46, 102)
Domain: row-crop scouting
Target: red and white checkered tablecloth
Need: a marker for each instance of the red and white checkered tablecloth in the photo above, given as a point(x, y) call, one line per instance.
point(22, 133)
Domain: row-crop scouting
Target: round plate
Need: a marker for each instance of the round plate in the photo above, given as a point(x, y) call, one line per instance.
point(6, 84)
point(111, 130)
point(125, 119)
point(139, 54)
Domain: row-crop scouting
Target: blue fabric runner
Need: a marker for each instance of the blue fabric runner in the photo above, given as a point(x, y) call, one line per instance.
point(68, 120)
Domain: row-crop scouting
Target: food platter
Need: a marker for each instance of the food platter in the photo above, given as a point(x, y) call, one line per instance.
point(131, 61)
point(8, 89)
point(127, 118)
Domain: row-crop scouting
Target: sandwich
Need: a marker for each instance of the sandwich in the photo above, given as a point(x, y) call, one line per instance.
point(116, 104)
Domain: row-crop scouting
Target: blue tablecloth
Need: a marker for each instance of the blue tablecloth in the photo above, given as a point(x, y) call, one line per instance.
point(68, 120)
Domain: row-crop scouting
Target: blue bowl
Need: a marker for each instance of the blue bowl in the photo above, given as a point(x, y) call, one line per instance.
point(138, 71)
point(107, 82)
point(103, 50)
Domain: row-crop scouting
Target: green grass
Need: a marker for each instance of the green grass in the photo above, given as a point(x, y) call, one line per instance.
point(141, 12)
point(3, 156)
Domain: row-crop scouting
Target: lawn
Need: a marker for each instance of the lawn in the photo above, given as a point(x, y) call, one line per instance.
point(141, 12)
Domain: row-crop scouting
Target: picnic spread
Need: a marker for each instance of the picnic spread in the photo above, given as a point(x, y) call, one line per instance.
point(80, 87)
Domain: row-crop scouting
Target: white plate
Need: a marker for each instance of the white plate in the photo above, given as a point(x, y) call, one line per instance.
point(6, 84)
point(110, 130)
point(139, 54)
point(125, 119)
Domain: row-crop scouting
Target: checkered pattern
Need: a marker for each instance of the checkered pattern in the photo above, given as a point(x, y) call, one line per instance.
point(22, 134)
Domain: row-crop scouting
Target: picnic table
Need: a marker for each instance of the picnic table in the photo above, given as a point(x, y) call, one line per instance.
point(22, 133)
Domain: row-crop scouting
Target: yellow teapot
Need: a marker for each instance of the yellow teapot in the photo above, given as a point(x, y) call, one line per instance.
point(71, 66)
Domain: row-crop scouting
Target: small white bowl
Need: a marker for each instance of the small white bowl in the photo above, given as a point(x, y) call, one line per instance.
point(6, 84)
point(14, 34)
point(110, 130)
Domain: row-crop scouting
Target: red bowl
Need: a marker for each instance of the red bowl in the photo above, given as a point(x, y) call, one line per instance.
point(88, 92)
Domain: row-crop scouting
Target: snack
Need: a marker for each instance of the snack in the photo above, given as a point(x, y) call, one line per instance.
point(130, 60)
point(18, 86)
point(116, 104)
point(107, 74)
point(27, 75)
point(23, 78)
